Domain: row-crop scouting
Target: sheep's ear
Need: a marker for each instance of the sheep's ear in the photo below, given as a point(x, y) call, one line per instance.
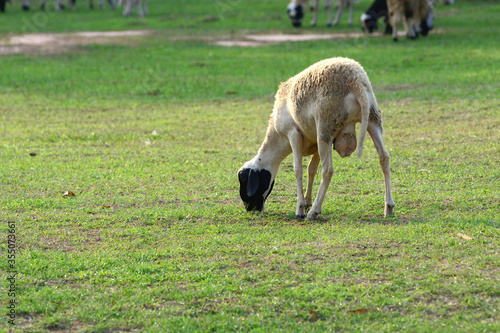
point(253, 182)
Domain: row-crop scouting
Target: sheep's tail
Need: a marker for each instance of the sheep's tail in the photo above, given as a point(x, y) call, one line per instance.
point(364, 103)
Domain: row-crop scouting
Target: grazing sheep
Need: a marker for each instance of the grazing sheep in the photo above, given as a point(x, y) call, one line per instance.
point(313, 110)
point(129, 7)
point(296, 10)
point(416, 15)
point(112, 4)
point(71, 4)
point(57, 3)
point(369, 18)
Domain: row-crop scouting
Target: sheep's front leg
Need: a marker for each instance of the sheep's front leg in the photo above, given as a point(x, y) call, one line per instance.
point(300, 212)
point(128, 7)
point(340, 9)
point(325, 154)
point(410, 32)
point(394, 19)
point(376, 134)
point(311, 173)
point(351, 9)
point(140, 8)
point(315, 16)
point(296, 140)
point(328, 7)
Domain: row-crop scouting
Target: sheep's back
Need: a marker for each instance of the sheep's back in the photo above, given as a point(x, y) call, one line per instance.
point(323, 87)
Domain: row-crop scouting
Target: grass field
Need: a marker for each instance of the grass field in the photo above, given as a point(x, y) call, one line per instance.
point(149, 134)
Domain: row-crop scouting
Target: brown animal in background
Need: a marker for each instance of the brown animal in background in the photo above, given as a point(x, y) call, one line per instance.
point(416, 15)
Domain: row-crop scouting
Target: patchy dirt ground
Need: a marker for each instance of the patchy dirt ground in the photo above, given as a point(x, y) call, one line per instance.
point(259, 40)
point(251, 40)
point(53, 43)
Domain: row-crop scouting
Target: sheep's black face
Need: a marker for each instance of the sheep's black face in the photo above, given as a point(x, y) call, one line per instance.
point(369, 23)
point(255, 186)
point(295, 13)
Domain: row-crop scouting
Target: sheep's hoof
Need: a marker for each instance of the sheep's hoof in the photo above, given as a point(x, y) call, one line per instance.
point(395, 39)
point(389, 210)
point(300, 213)
point(26, 7)
point(312, 215)
point(329, 25)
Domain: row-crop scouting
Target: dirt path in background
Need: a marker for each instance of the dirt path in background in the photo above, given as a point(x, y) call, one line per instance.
point(251, 40)
point(52, 43)
point(260, 40)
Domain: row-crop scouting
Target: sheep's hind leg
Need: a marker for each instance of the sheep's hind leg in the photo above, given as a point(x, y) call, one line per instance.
point(325, 154)
point(376, 134)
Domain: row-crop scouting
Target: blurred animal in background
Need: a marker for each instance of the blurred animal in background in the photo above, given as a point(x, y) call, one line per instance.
point(128, 7)
point(59, 5)
point(376, 11)
point(2, 5)
point(416, 15)
point(112, 3)
point(296, 10)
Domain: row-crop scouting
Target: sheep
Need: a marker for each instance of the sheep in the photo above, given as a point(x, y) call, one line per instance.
point(417, 17)
point(369, 18)
point(112, 4)
point(313, 110)
point(58, 4)
point(296, 9)
point(71, 3)
point(129, 7)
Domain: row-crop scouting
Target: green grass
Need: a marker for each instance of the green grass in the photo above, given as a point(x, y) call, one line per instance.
point(149, 136)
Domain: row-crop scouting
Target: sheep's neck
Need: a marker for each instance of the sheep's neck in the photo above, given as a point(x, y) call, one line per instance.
point(273, 150)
